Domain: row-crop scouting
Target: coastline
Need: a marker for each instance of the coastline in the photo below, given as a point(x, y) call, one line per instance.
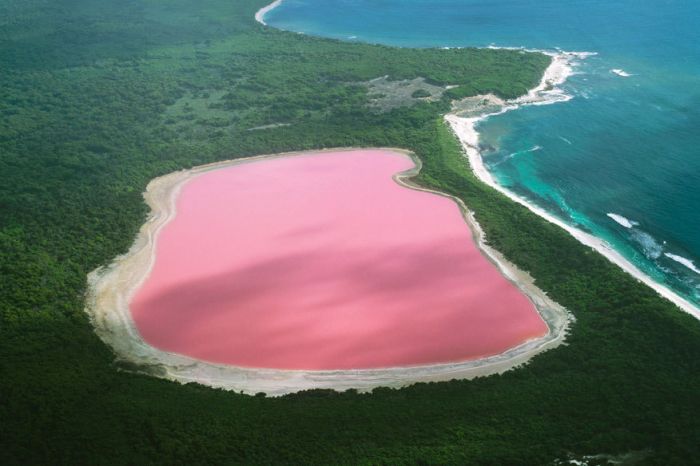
point(260, 14)
point(111, 288)
point(547, 92)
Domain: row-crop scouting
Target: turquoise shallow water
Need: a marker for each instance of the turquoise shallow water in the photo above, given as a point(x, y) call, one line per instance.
point(624, 145)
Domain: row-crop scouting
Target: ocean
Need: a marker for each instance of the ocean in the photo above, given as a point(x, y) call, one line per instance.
point(621, 159)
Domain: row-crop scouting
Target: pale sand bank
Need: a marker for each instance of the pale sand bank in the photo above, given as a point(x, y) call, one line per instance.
point(111, 289)
point(260, 15)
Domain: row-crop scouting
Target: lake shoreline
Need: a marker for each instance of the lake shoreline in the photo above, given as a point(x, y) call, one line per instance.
point(111, 289)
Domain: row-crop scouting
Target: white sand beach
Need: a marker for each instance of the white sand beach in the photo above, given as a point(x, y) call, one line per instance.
point(260, 15)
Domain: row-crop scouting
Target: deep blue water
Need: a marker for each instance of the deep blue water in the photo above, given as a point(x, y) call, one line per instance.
point(623, 145)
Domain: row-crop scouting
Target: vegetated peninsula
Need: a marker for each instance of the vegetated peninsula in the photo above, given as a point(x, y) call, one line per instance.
point(102, 97)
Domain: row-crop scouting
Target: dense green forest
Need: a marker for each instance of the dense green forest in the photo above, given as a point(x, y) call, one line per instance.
point(98, 97)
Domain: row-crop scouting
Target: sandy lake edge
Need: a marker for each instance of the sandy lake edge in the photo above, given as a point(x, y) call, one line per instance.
point(110, 289)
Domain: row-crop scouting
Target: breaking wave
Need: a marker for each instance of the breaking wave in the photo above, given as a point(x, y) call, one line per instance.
point(682, 260)
point(620, 72)
point(625, 222)
point(652, 249)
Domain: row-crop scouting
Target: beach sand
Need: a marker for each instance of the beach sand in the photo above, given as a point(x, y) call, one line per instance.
point(260, 15)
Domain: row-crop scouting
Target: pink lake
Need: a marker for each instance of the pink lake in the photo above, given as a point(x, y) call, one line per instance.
point(322, 261)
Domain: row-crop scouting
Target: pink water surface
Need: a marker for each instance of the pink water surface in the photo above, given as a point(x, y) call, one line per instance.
point(322, 261)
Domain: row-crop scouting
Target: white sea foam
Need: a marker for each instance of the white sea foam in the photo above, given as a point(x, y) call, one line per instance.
point(682, 260)
point(625, 222)
point(548, 92)
point(652, 249)
point(620, 72)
